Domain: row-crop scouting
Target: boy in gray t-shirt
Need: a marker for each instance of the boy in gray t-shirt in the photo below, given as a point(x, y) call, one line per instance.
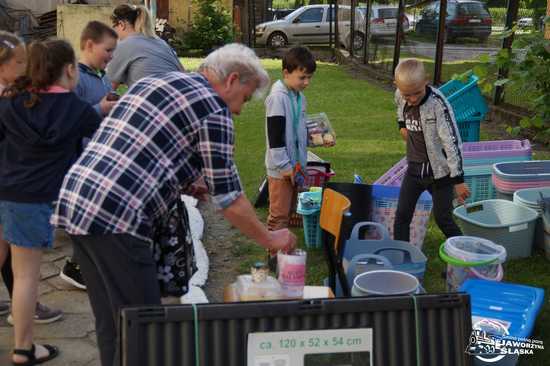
point(139, 56)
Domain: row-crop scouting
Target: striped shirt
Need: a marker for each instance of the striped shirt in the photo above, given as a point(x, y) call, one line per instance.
point(164, 133)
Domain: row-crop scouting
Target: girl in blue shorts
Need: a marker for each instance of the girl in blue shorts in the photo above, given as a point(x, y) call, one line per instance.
point(41, 125)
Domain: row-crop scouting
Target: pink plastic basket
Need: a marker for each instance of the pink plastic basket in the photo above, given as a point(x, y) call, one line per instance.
point(384, 207)
point(395, 175)
point(510, 187)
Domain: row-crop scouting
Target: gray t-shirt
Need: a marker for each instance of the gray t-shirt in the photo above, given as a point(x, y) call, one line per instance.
point(139, 56)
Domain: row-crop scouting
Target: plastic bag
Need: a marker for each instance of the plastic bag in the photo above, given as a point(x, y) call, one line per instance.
point(319, 130)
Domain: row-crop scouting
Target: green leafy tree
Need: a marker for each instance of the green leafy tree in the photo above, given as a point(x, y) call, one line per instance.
point(528, 63)
point(212, 26)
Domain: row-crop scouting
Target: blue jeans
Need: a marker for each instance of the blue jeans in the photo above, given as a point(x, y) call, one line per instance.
point(27, 224)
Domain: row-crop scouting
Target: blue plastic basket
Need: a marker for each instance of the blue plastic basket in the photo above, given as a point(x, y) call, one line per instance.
point(465, 98)
point(311, 213)
point(469, 129)
point(478, 179)
point(312, 230)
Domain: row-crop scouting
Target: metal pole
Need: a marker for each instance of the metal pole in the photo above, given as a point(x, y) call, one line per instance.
point(330, 24)
point(254, 23)
point(336, 40)
point(249, 22)
point(398, 35)
point(367, 32)
point(440, 43)
point(511, 17)
point(352, 30)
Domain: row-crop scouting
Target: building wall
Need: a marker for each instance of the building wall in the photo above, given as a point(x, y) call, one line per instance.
point(71, 19)
point(181, 12)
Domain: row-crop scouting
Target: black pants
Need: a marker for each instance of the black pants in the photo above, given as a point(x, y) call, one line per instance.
point(119, 270)
point(442, 196)
point(7, 274)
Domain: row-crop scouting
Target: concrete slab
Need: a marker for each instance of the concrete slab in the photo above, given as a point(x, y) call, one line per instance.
point(71, 326)
point(48, 270)
point(78, 304)
point(57, 254)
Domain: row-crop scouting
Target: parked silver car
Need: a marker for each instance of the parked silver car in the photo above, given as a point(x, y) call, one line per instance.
point(310, 25)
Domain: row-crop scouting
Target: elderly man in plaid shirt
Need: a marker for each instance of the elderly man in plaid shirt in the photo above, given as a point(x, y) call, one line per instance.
point(168, 131)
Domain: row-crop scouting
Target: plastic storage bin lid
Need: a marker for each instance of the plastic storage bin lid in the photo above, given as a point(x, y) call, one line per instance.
point(513, 305)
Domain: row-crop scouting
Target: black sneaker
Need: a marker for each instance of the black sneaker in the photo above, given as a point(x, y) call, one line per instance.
point(71, 274)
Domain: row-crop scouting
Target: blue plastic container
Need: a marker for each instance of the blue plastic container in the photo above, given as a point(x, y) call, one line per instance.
point(523, 171)
point(514, 306)
point(309, 206)
point(466, 99)
point(402, 255)
point(469, 128)
point(502, 222)
point(479, 181)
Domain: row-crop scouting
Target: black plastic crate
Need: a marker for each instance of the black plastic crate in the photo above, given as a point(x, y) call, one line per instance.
point(165, 335)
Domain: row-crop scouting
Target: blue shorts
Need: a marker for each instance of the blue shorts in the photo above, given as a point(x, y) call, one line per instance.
point(27, 224)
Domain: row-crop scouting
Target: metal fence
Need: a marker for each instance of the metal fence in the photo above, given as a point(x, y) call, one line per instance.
point(450, 37)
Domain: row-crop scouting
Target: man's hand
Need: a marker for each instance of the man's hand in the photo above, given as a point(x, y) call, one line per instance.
point(404, 133)
point(288, 174)
point(462, 192)
point(282, 239)
point(106, 105)
point(198, 189)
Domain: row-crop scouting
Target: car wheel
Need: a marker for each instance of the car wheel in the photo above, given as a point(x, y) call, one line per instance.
point(277, 40)
point(358, 41)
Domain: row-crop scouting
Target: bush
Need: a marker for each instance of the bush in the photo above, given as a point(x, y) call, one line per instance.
point(212, 26)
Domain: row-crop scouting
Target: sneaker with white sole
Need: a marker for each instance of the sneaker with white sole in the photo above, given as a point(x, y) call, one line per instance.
point(71, 274)
point(43, 315)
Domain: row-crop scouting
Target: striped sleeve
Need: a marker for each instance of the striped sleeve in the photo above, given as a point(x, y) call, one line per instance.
point(450, 138)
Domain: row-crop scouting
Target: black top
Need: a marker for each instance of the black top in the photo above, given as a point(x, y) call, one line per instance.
point(416, 145)
point(39, 144)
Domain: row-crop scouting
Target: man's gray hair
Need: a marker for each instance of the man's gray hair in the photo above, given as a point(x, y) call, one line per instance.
point(238, 58)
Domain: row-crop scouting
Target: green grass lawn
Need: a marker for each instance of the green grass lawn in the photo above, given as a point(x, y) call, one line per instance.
point(368, 144)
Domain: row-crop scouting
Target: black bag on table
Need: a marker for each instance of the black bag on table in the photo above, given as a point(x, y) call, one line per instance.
point(173, 251)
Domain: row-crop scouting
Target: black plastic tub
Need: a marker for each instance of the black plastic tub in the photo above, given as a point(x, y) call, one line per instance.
point(170, 334)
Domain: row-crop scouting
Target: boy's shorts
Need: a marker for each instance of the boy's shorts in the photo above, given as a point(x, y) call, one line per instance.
point(27, 224)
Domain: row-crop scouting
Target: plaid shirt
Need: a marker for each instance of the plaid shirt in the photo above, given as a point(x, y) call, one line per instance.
point(162, 135)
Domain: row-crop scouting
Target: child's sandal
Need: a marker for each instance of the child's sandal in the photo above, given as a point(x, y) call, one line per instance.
point(31, 358)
